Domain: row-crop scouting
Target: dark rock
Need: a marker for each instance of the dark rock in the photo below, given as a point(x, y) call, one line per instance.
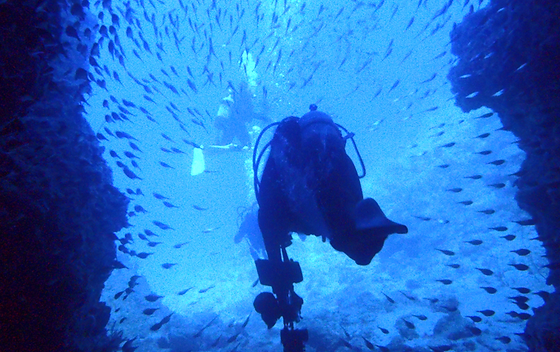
point(509, 53)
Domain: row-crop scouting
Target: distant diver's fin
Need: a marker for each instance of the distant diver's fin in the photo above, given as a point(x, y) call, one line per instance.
point(368, 215)
point(198, 165)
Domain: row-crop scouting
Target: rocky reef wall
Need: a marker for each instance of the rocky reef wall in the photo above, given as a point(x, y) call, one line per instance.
point(508, 60)
point(58, 208)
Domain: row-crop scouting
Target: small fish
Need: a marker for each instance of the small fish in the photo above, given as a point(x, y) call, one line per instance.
point(159, 196)
point(233, 338)
point(118, 265)
point(409, 23)
point(348, 336)
point(135, 147)
point(408, 296)
point(489, 289)
point(508, 237)
point(158, 326)
point(132, 281)
point(199, 208)
point(369, 345)
point(205, 327)
point(182, 292)
point(130, 174)
point(475, 318)
point(521, 252)
point(520, 267)
point(206, 289)
point(389, 298)
point(127, 347)
point(485, 152)
point(149, 311)
point(455, 190)
point(487, 211)
point(246, 321)
point(139, 209)
point(161, 225)
point(152, 297)
point(121, 134)
point(487, 312)
point(383, 330)
point(192, 86)
point(503, 339)
point(445, 281)
point(497, 162)
point(178, 151)
point(486, 272)
point(179, 245)
point(394, 85)
point(446, 252)
point(169, 205)
point(168, 265)
point(528, 222)
point(474, 330)
point(143, 255)
point(150, 233)
point(485, 115)
point(409, 324)
point(347, 344)
point(454, 266)
point(474, 242)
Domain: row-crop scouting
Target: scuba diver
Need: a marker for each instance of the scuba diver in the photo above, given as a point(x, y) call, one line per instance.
point(310, 186)
point(248, 224)
point(234, 113)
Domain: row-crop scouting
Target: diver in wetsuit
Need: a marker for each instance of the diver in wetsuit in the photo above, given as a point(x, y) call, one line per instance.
point(248, 223)
point(234, 113)
point(310, 186)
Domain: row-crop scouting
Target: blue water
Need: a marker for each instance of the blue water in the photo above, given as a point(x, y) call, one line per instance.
point(347, 65)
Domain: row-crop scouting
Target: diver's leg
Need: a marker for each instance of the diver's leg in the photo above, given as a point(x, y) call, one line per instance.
point(243, 135)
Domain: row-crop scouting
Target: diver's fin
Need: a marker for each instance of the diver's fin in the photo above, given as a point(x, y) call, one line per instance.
point(368, 215)
point(198, 165)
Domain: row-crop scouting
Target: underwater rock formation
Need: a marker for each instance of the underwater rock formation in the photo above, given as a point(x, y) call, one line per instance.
point(58, 208)
point(508, 59)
